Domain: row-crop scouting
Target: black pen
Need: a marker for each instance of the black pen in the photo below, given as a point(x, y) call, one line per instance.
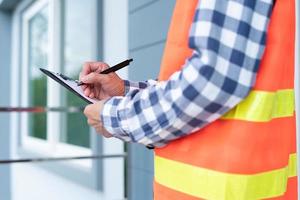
point(113, 69)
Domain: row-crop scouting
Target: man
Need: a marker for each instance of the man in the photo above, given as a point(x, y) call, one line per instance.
point(217, 61)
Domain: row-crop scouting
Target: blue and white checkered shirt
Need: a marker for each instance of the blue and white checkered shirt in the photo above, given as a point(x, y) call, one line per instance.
point(228, 40)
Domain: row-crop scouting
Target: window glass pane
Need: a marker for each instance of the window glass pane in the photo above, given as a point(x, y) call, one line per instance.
point(38, 57)
point(78, 48)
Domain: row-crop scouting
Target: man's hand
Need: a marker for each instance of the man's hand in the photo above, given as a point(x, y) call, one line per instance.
point(92, 112)
point(100, 86)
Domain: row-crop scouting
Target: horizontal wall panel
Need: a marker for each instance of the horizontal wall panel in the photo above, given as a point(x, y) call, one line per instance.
point(136, 5)
point(150, 24)
point(146, 63)
point(143, 184)
point(144, 156)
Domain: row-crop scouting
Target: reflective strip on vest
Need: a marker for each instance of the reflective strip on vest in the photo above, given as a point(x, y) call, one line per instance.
point(209, 184)
point(262, 106)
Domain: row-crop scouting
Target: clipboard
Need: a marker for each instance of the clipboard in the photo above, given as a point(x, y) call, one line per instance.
point(69, 83)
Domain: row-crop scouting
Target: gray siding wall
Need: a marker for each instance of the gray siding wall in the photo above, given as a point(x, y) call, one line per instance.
point(5, 49)
point(148, 26)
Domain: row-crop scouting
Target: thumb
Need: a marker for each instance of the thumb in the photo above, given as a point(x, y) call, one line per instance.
point(93, 78)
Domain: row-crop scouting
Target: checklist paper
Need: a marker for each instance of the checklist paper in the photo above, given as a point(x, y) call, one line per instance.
point(70, 84)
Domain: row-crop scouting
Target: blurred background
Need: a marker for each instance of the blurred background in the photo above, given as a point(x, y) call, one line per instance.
point(60, 35)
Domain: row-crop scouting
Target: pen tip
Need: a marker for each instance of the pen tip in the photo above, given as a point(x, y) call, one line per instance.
point(80, 83)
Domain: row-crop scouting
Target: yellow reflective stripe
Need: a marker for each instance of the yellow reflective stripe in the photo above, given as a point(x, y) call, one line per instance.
point(262, 106)
point(210, 184)
point(292, 165)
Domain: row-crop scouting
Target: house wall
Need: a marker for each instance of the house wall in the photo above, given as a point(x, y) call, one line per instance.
point(148, 26)
point(5, 49)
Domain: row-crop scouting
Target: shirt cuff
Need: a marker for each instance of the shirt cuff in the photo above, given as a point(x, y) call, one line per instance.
point(131, 85)
point(112, 121)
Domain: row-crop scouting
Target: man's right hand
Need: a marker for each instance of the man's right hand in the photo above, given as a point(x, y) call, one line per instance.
point(100, 86)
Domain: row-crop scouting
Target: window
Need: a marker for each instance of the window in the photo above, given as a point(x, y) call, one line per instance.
point(35, 54)
point(78, 47)
point(55, 37)
point(59, 48)
point(38, 56)
point(60, 35)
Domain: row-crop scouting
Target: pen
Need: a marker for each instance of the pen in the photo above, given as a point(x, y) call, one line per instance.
point(113, 69)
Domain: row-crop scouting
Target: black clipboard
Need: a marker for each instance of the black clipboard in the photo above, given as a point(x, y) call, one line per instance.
point(68, 83)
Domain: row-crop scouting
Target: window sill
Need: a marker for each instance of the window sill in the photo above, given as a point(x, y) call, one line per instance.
point(80, 171)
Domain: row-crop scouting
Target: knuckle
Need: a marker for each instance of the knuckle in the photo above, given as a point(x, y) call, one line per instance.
point(105, 78)
point(86, 110)
point(105, 65)
point(89, 121)
point(92, 75)
point(86, 65)
point(107, 135)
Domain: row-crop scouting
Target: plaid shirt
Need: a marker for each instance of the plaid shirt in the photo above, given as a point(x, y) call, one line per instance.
point(228, 40)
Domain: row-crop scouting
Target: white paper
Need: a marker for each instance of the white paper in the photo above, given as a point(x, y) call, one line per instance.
point(75, 87)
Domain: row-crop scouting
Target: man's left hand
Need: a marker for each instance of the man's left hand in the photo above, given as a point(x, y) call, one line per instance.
point(92, 112)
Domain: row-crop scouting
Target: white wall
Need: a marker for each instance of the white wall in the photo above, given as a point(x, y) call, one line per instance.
point(34, 183)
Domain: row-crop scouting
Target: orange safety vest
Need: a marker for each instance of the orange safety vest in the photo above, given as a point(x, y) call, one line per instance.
point(250, 153)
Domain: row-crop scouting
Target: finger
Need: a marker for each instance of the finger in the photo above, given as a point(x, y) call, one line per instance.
point(100, 130)
point(104, 67)
point(83, 87)
point(86, 69)
point(92, 91)
point(89, 121)
point(89, 67)
point(99, 66)
point(92, 95)
point(87, 91)
point(103, 131)
point(87, 110)
point(80, 75)
point(97, 93)
point(92, 122)
point(105, 134)
point(95, 78)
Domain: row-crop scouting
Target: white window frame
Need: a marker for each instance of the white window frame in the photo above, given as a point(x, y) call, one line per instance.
point(105, 175)
point(51, 146)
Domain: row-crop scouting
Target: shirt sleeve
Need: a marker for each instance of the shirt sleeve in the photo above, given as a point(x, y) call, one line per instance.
point(228, 40)
point(137, 85)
